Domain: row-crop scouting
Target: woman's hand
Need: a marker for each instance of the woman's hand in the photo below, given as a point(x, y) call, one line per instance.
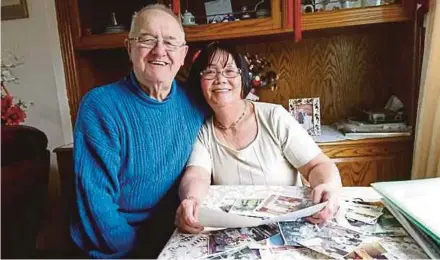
point(321, 193)
point(187, 219)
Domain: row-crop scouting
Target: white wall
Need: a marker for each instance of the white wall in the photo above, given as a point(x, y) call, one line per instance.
point(35, 41)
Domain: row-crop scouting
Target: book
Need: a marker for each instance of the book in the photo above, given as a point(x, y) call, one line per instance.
point(417, 200)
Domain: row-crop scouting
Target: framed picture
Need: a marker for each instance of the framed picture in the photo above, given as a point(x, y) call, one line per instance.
point(14, 9)
point(306, 112)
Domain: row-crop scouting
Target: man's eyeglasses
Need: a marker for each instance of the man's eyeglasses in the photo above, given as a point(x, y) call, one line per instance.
point(226, 72)
point(146, 41)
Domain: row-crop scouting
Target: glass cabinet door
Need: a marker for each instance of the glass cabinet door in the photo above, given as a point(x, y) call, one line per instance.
point(221, 19)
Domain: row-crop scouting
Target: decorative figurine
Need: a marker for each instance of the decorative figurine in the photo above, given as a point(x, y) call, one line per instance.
point(188, 18)
point(245, 14)
point(114, 27)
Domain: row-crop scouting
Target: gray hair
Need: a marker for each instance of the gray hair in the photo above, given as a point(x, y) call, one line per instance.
point(150, 7)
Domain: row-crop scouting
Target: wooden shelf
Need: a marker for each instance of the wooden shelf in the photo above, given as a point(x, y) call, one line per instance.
point(354, 16)
point(230, 30)
point(101, 41)
point(205, 32)
point(262, 26)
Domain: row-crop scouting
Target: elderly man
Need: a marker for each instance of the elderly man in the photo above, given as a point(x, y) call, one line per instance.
point(132, 140)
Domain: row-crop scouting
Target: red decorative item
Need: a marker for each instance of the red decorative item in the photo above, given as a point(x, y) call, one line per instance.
point(176, 7)
point(297, 31)
point(12, 113)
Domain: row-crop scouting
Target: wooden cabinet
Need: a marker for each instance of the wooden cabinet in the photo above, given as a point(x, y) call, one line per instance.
point(350, 58)
point(87, 20)
point(366, 161)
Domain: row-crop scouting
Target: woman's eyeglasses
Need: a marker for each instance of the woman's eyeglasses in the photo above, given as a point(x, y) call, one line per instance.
point(226, 72)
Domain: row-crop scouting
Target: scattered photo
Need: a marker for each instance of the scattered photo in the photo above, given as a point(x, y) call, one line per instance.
point(190, 245)
point(372, 250)
point(293, 231)
point(245, 206)
point(388, 225)
point(237, 253)
point(226, 239)
point(280, 204)
point(328, 238)
point(261, 232)
point(335, 247)
point(368, 214)
point(275, 241)
point(226, 204)
point(292, 252)
point(404, 247)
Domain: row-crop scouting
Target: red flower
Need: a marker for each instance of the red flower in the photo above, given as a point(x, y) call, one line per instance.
point(14, 115)
point(6, 103)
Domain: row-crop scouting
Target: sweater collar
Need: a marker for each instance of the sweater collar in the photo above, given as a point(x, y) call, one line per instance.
point(138, 91)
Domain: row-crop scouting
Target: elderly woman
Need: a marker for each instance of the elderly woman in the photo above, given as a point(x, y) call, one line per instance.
point(247, 143)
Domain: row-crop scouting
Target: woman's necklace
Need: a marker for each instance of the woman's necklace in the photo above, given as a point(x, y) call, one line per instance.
point(222, 127)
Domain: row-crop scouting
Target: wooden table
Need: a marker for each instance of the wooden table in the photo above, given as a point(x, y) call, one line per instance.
point(188, 246)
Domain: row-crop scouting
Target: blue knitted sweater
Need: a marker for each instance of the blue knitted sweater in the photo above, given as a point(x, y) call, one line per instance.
point(129, 150)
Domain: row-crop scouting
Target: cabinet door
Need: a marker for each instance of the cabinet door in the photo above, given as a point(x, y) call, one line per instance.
point(248, 18)
point(362, 171)
point(366, 161)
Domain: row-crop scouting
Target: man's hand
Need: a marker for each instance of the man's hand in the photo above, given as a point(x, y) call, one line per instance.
point(187, 216)
point(321, 193)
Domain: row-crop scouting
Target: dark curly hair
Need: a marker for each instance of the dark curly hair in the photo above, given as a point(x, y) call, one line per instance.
point(205, 57)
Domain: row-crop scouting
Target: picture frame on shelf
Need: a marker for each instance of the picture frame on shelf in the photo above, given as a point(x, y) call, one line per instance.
point(307, 112)
point(14, 9)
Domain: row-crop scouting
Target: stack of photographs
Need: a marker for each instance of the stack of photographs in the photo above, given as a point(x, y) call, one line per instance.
point(363, 212)
point(329, 239)
point(369, 224)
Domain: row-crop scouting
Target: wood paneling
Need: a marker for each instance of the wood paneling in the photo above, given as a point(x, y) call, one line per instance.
point(346, 71)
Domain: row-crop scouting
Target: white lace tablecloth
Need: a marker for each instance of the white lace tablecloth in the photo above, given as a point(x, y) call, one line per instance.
point(188, 246)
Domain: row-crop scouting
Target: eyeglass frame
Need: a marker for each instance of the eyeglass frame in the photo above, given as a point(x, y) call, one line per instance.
point(157, 41)
point(221, 72)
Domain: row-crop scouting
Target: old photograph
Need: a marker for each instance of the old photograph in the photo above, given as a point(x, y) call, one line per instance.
point(245, 206)
point(279, 205)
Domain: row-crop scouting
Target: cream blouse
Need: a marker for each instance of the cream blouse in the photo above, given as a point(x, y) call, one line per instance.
point(280, 147)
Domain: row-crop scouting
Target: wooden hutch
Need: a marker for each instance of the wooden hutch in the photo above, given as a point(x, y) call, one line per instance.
point(348, 57)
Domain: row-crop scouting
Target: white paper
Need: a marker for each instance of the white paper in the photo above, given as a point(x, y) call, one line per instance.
point(219, 219)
